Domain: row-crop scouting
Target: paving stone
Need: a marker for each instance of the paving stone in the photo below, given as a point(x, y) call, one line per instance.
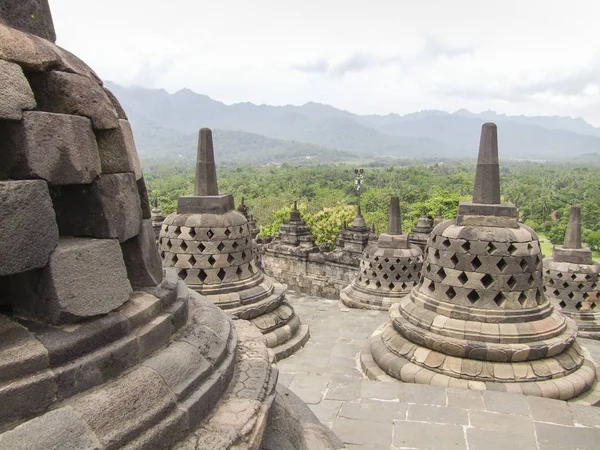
point(548, 410)
point(437, 414)
point(346, 389)
point(15, 93)
point(421, 394)
point(374, 410)
point(504, 402)
point(555, 437)
point(326, 410)
point(310, 388)
point(426, 435)
point(465, 399)
point(588, 416)
point(378, 390)
point(285, 378)
point(27, 217)
point(350, 431)
point(486, 440)
point(504, 423)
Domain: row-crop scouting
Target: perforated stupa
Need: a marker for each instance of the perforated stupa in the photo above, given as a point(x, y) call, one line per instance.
point(388, 269)
point(479, 318)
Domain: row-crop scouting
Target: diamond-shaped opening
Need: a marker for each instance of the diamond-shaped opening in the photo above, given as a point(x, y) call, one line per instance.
point(586, 295)
point(239, 272)
point(556, 292)
point(183, 246)
point(565, 285)
point(211, 260)
point(409, 276)
point(573, 277)
point(593, 306)
point(551, 282)
point(404, 286)
point(162, 255)
point(177, 231)
point(201, 247)
point(244, 254)
point(404, 268)
point(175, 259)
point(523, 264)
point(221, 246)
point(446, 243)
point(450, 293)
point(463, 278)
point(562, 304)
point(547, 271)
point(531, 280)
point(476, 263)
point(512, 249)
point(210, 234)
point(397, 260)
point(397, 277)
point(374, 274)
point(182, 274)
point(466, 246)
point(441, 273)
point(387, 260)
point(235, 245)
point(367, 282)
point(431, 286)
point(391, 286)
point(571, 295)
point(379, 267)
point(385, 276)
point(192, 260)
point(202, 275)
point(192, 232)
point(454, 259)
point(579, 305)
point(378, 284)
point(500, 299)
point(230, 258)
point(376, 258)
point(473, 296)
point(221, 274)
point(227, 232)
point(529, 247)
point(559, 275)
point(588, 277)
point(580, 286)
point(487, 280)
point(241, 230)
point(511, 282)
point(501, 265)
point(408, 261)
point(522, 298)
point(490, 248)
point(392, 268)
point(594, 286)
point(250, 268)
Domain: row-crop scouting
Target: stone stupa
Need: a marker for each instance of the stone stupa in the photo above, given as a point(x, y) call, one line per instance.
point(388, 269)
point(479, 318)
point(571, 280)
point(209, 243)
point(355, 238)
point(420, 233)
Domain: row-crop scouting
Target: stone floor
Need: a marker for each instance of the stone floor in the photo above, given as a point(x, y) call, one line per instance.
point(369, 414)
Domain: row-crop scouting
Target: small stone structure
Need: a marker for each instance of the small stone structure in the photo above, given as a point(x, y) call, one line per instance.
point(438, 219)
point(388, 270)
point(571, 280)
point(295, 233)
point(210, 245)
point(355, 238)
point(479, 318)
point(100, 348)
point(157, 218)
point(421, 231)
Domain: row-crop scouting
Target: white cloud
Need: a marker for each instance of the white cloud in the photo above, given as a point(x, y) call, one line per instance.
point(533, 57)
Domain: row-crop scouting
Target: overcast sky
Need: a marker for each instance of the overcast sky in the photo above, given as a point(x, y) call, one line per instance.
point(528, 57)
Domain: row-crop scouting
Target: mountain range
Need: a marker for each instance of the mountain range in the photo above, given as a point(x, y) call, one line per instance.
point(166, 125)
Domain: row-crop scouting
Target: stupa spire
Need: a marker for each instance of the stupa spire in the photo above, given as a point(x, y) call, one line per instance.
point(206, 171)
point(394, 219)
point(573, 235)
point(487, 175)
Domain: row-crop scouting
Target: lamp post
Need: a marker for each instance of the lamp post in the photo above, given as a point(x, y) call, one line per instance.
point(358, 181)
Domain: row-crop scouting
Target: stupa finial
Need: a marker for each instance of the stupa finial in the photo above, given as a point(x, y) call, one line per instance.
point(487, 175)
point(394, 219)
point(206, 171)
point(573, 235)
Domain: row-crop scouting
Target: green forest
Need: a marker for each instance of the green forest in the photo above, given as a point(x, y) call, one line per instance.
point(327, 195)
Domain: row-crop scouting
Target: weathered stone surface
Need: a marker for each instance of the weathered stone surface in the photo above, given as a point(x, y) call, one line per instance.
point(27, 225)
point(15, 93)
point(70, 93)
point(487, 175)
point(573, 234)
point(117, 150)
point(58, 148)
point(144, 201)
point(107, 208)
point(84, 278)
point(31, 16)
point(206, 172)
point(28, 51)
point(61, 429)
point(144, 267)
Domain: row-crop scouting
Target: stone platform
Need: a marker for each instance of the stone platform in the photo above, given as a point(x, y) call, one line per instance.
point(368, 414)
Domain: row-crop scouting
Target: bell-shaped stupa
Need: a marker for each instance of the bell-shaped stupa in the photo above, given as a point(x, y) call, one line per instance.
point(388, 269)
point(571, 280)
point(479, 318)
point(210, 245)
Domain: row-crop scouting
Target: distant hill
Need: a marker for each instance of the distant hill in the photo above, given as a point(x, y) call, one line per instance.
point(165, 125)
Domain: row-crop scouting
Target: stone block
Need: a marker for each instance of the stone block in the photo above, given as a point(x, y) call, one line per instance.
point(214, 204)
point(30, 52)
point(27, 225)
point(144, 267)
point(30, 16)
point(117, 150)
point(144, 202)
point(70, 93)
point(15, 93)
point(120, 111)
point(58, 148)
point(109, 207)
point(84, 278)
